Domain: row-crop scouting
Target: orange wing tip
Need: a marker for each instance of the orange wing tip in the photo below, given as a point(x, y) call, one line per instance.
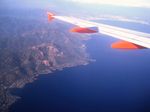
point(50, 16)
point(83, 30)
point(126, 45)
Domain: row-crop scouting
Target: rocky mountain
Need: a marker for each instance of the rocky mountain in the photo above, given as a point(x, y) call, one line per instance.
point(29, 46)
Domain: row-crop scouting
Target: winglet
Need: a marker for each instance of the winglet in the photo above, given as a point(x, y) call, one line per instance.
point(50, 16)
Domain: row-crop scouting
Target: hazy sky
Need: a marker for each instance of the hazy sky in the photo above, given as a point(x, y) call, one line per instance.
point(81, 6)
point(130, 3)
point(52, 3)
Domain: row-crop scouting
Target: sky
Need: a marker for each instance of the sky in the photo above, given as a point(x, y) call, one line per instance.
point(48, 3)
point(123, 10)
point(128, 3)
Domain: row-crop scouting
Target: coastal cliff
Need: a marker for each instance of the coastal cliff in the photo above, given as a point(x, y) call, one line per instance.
point(31, 46)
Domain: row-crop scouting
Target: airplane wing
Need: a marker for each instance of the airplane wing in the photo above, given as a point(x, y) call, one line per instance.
point(130, 39)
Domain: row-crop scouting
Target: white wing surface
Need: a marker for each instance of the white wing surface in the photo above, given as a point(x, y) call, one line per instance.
point(130, 39)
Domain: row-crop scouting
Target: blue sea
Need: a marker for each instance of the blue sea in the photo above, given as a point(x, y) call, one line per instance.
point(118, 81)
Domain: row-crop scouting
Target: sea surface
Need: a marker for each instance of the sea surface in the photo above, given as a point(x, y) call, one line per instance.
point(118, 81)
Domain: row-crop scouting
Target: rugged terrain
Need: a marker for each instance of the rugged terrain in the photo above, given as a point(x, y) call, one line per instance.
point(29, 46)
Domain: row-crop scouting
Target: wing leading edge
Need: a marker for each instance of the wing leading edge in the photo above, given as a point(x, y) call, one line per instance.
point(131, 39)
